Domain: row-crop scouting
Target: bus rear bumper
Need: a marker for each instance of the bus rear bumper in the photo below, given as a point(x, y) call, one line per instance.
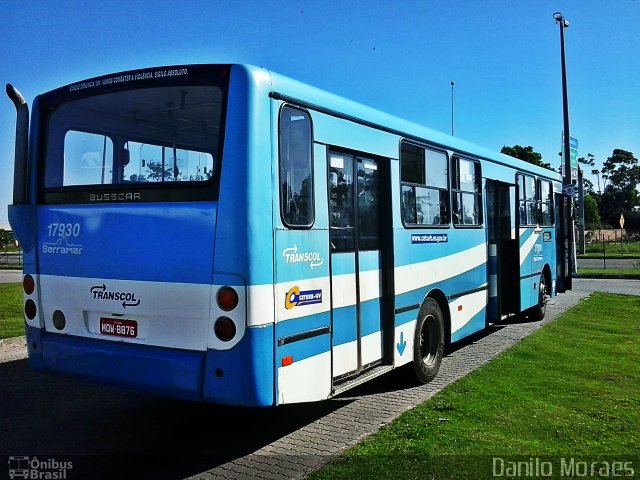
point(176, 373)
point(242, 375)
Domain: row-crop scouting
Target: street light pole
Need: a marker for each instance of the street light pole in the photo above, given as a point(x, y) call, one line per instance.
point(452, 85)
point(565, 99)
point(559, 18)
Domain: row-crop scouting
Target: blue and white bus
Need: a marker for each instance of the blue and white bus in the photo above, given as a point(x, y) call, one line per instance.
point(225, 234)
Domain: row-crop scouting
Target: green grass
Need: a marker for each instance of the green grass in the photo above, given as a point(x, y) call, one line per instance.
point(625, 272)
point(571, 389)
point(629, 250)
point(11, 316)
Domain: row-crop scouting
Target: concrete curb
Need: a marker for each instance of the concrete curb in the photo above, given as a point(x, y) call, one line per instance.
point(12, 349)
point(13, 342)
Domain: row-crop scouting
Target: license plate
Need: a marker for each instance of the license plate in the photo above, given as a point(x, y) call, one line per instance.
point(119, 327)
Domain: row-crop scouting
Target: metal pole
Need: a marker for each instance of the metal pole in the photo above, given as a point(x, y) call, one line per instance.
point(567, 147)
point(452, 109)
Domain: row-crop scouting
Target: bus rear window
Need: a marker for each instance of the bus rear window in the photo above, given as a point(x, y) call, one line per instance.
point(142, 136)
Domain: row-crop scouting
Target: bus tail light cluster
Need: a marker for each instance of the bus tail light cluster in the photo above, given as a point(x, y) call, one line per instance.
point(225, 328)
point(29, 286)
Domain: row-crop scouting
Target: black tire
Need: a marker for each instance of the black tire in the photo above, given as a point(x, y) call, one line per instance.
point(539, 311)
point(428, 341)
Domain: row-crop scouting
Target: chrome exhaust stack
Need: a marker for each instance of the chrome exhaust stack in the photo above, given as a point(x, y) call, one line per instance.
point(22, 146)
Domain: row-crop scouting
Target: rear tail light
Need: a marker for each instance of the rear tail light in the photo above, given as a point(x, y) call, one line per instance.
point(224, 329)
point(227, 298)
point(28, 284)
point(30, 309)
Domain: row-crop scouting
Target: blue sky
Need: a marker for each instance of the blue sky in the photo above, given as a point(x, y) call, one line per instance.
point(397, 56)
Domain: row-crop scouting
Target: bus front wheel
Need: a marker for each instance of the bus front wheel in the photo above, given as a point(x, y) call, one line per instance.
point(428, 344)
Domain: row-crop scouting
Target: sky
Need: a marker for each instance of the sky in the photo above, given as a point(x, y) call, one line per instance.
point(397, 56)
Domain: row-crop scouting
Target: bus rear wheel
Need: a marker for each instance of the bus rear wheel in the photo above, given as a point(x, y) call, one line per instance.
point(428, 344)
point(540, 309)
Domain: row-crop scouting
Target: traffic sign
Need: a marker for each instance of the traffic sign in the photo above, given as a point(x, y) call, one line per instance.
point(621, 221)
point(570, 190)
point(573, 156)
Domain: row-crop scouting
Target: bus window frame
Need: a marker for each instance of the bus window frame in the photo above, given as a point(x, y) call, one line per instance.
point(541, 202)
point(149, 192)
point(524, 201)
point(312, 208)
point(447, 190)
point(454, 191)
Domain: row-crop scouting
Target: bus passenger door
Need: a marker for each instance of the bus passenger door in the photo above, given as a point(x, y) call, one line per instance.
point(356, 263)
point(504, 250)
point(563, 226)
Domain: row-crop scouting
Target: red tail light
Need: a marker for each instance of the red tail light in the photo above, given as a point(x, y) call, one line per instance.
point(28, 284)
point(227, 298)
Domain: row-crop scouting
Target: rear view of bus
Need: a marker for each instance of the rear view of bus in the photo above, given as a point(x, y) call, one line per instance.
point(116, 204)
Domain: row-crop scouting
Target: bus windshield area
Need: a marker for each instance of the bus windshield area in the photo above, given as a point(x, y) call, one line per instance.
point(149, 135)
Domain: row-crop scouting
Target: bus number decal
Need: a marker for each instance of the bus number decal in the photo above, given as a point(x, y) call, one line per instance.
point(62, 230)
point(537, 253)
point(59, 244)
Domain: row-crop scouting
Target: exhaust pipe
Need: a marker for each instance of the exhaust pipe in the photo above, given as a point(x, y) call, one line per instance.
point(22, 146)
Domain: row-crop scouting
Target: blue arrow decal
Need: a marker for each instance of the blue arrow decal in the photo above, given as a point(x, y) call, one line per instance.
point(401, 344)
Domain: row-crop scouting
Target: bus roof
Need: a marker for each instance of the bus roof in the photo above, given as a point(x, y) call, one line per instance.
point(316, 98)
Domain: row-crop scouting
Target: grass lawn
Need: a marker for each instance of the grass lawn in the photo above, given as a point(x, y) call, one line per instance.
point(629, 250)
point(11, 316)
point(626, 272)
point(571, 389)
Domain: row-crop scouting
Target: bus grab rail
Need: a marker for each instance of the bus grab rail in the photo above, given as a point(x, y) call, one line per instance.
point(22, 145)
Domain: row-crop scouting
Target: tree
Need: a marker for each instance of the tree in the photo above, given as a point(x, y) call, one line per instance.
point(157, 173)
point(591, 214)
point(621, 172)
point(588, 184)
point(527, 154)
point(5, 240)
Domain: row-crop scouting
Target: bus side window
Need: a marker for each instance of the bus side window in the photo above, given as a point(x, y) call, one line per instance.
point(467, 192)
point(425, 194)
point(296, 167)
point(528, 200)
point(546, 203)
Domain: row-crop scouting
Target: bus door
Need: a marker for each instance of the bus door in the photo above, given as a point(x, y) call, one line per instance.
point(563, 226)
point(504, 250)
point(355, 206)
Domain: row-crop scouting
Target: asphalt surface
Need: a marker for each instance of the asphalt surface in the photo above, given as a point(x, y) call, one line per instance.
point(10, 276)
point(112, 433)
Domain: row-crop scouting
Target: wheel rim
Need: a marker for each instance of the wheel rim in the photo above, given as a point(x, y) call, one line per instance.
point(429, 340)
point(543, 295)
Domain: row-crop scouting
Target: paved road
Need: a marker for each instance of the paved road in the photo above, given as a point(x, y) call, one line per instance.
point(10, 276)
point(111, 433)
point(611, 263)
